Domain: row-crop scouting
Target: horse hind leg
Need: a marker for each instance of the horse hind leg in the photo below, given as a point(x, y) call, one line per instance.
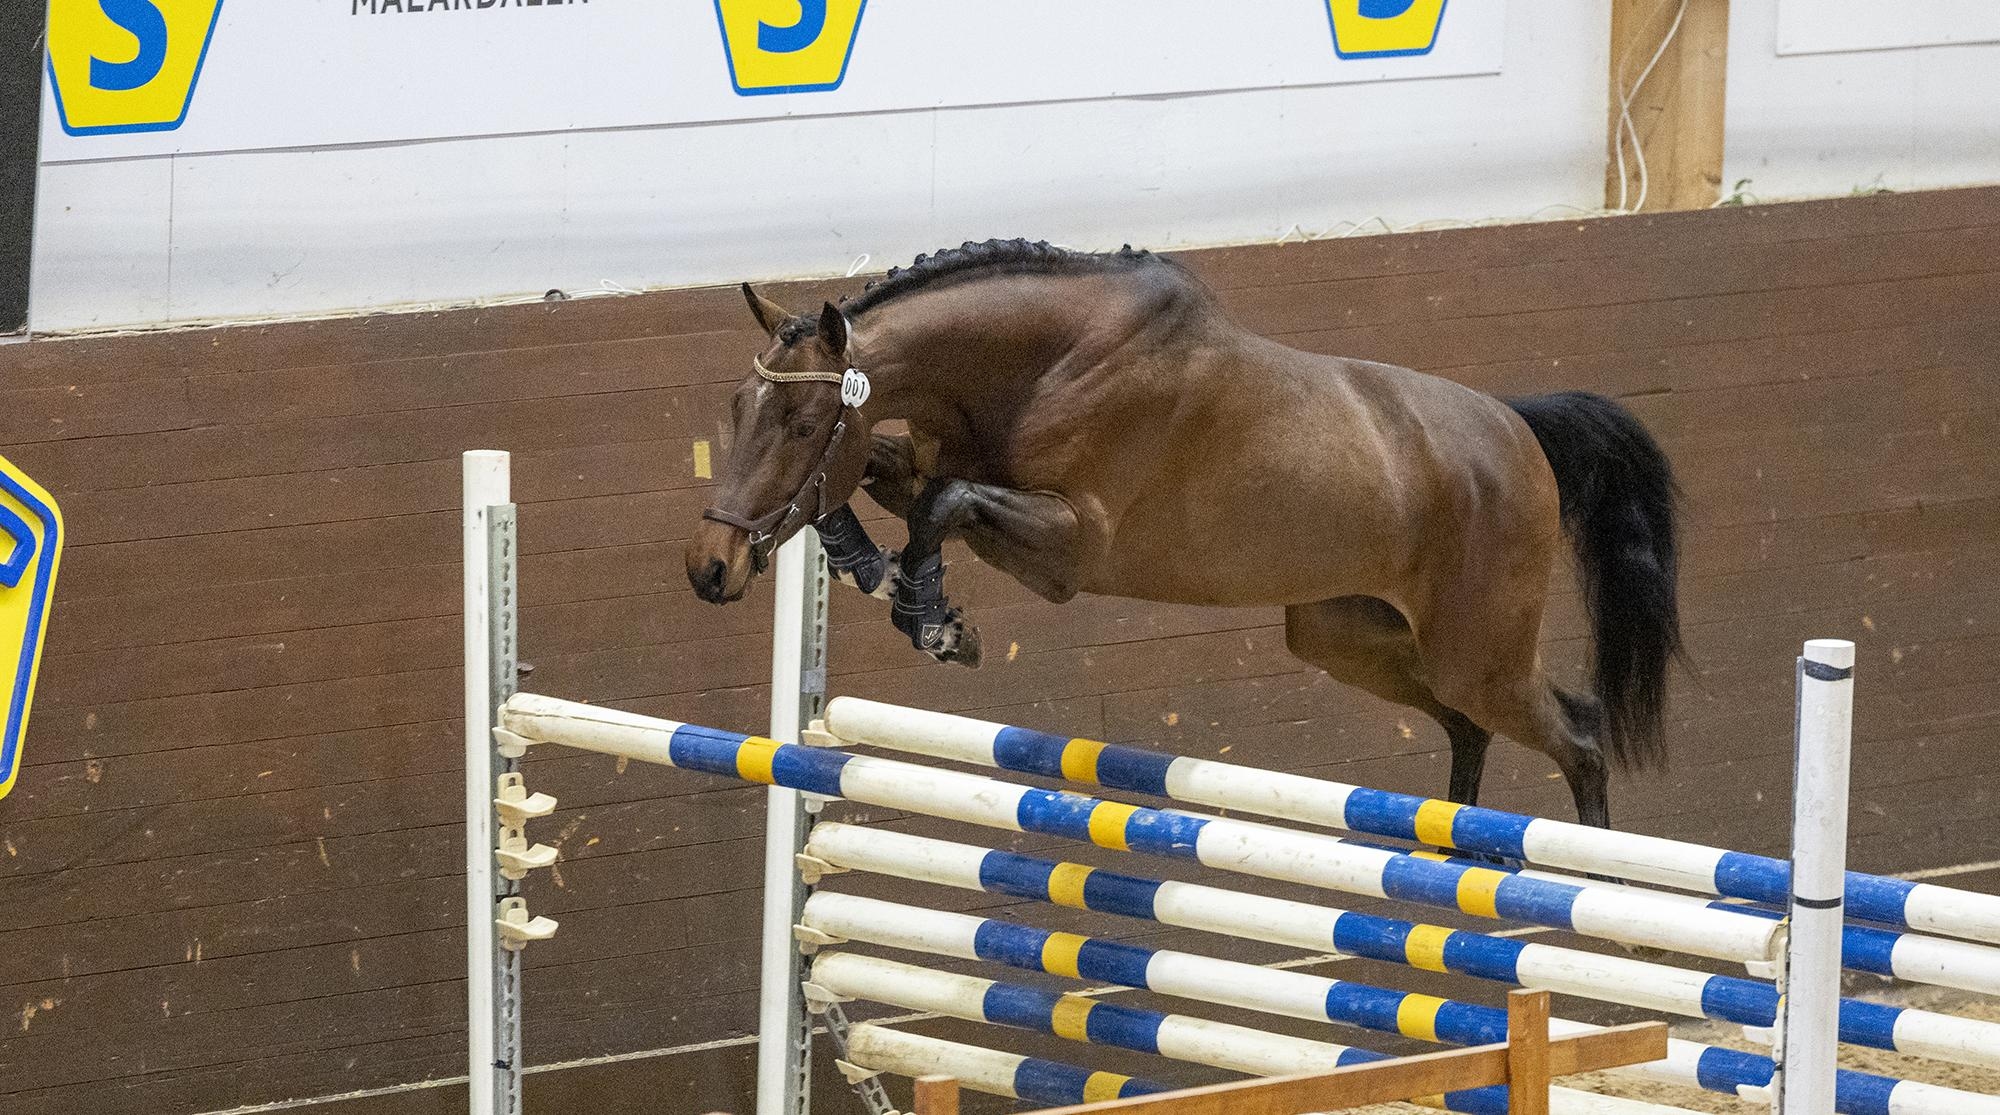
point(1506, 691)
point(1365, 642)
point(1567, 726)
point(1580, 756)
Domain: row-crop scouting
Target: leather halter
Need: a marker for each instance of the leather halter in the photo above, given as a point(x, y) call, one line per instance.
point(765, 529)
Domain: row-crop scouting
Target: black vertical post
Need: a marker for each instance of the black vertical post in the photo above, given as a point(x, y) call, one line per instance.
point(21, 25)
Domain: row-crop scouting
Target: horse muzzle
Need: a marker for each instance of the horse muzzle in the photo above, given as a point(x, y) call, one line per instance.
point(721, 560)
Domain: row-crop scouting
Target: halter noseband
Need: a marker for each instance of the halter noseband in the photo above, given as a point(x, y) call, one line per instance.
point(764, 529)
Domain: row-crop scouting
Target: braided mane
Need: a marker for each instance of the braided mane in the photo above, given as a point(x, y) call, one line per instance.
point(1003, 256)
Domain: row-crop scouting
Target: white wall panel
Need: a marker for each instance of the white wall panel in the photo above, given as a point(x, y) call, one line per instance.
point(298, 232)
point(287, 75)
point(1881, 115)
point(1821, 26)
point(103, 244)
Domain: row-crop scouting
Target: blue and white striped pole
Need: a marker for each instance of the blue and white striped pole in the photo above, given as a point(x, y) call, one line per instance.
point(1176, 1037)
point(1253, 849)
point(1227, 983)
point(1573, 847)
point(1040, 1082)
point(1301, 996)
point(1308, 997)
point(1314, 859)
point(1435, 948)
point(1896, 953)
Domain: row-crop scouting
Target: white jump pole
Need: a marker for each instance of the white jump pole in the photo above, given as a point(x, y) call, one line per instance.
point(1807, 1037)
point(798, 695)
point(486, 486)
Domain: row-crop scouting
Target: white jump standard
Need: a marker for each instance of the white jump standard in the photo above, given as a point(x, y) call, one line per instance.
point(1805, 950)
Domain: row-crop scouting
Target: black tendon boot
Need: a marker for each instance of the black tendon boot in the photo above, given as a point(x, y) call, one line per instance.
point(854, 557)
point(920, 610)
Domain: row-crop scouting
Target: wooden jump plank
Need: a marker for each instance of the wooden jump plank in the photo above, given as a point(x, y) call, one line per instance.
point(1390, 1081)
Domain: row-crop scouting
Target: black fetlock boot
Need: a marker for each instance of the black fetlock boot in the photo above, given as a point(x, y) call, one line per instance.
point(853, 556)
point(919, 609)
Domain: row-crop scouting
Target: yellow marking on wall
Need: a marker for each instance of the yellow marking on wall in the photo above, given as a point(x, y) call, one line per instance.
point(1066, 885)
point(31, 544)
point(1079, 760)
point(704, 468)
point(774, 48)
point(1107, 825)
point(1358, 35)
point(127, 74)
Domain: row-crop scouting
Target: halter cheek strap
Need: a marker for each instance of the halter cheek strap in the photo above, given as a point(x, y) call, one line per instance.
point(764, 529)
point(765, 525)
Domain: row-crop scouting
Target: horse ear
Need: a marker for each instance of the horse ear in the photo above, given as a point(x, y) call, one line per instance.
point(833, 331)
point(769, 314)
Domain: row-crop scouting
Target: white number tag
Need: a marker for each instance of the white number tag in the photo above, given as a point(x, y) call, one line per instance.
point(854, 387)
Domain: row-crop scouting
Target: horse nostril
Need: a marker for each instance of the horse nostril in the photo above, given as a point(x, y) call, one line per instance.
point(712, 575)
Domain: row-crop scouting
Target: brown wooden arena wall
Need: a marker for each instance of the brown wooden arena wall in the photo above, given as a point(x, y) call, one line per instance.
point(231, 868)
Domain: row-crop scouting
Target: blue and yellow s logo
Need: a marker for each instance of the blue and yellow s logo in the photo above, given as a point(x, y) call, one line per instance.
point(788, 46)
point(31, 542)
point(127, 65)
point(1384, 28)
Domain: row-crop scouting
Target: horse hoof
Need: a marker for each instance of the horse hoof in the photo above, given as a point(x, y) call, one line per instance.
point(952, 640)
point(967, 651)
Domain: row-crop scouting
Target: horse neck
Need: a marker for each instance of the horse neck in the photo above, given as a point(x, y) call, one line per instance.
point(979, 348)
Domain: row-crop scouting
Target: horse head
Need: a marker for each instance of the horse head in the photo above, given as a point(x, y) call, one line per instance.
point(800, 447)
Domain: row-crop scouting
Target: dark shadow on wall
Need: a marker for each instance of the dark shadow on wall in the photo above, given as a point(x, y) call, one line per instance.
point(20, 135)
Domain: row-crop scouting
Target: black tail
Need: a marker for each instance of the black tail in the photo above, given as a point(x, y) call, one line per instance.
point(1618, 507)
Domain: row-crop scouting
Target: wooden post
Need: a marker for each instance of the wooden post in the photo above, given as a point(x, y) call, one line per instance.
point(1527, 1053)
point(1678, 113)
point(936, 1095)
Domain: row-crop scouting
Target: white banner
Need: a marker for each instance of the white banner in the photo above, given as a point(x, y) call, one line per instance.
point(1833, 26)
point(147, 77)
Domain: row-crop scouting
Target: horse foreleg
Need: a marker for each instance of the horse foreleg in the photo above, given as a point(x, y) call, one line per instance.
point(918, 606)
point(1036, 537)
point(854, 558)
point(891, 479)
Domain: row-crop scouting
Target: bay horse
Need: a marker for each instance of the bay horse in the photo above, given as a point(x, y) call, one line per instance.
point(1095, 423)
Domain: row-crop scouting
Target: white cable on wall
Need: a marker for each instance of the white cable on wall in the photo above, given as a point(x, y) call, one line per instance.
point(1626, 126)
